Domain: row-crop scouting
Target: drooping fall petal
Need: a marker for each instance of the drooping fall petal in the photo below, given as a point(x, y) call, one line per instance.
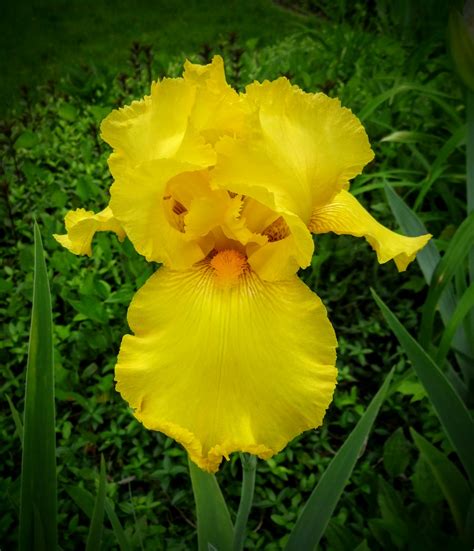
point(81, 226)
point(345, 215)
point(222, 361)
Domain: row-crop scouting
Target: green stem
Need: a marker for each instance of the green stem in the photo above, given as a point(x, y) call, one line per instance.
point(249, 466)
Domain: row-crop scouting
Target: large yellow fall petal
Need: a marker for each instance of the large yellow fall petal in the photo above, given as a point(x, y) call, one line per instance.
point(225, 367)
point(345, 215)
point(81, 226)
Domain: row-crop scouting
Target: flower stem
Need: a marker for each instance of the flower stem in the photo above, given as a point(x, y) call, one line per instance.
point(249, 465)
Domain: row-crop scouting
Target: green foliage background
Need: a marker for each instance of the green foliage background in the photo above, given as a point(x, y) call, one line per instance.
point(386, 61)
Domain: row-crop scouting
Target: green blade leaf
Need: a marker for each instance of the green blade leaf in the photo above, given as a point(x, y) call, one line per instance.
point(122, 540)
point(85, 500)
point(215, 530)
point(452, 483)
point(465, 304)
point(436, 169)
point(428, 258)
point(457, 251)
point(396, 453)
point(38, 507)
point(317, 512)
point(94, 538)
point(450, 409)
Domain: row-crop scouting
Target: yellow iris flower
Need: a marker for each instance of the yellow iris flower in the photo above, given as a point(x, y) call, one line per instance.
point(230, 350)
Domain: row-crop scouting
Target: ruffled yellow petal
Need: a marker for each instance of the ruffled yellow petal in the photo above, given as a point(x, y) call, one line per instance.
point(275, 261)
point(156, 127)
point(128, 130)
point(217, 215)
point(249, 172)
point(81, 225)
point(222, 361)
point(139, 199)
point(304, 148)
point(345, 215)
point(218, 108)
point(323, 144)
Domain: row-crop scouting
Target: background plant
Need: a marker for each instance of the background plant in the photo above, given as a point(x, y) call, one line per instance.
point(394, 72)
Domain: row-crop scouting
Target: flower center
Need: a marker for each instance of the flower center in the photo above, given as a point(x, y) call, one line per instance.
point(228, 265)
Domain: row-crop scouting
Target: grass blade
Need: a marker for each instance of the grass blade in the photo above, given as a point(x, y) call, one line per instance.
point(320, 506)
point(411, 225)
point(388, 95)
point(117, 527)
point(38, 507)
point(85, 500)
point(428, 258)
point(215, 530)
point(452, 483)
point(457, 251)
point(436, 169)
point(409, 137)
point(94, 538)
point(82, 498)
point(470, 171)
point(450, 409)
point(16, 420)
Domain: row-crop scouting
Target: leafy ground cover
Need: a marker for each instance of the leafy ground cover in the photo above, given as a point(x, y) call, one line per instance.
point(396, 75)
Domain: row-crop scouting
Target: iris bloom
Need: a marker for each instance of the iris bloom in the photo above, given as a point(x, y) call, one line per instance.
point(230, 350)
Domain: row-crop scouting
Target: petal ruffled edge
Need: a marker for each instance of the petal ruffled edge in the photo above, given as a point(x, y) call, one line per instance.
point(344, 215)
point(318, 142)
point(245, 367)
point(81, 226)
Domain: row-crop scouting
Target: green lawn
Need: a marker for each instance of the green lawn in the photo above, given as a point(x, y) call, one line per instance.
point(48, 39)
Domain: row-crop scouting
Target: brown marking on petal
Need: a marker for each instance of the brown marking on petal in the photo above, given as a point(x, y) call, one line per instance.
point(277, 230)
point(178, 208)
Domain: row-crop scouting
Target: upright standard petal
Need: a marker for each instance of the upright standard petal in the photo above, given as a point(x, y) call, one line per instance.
point(222, 361)
point(156, 127)
point(249, 172)
point(345, 215)
point(304, 148)
point(81, 226)
point(218, 109)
